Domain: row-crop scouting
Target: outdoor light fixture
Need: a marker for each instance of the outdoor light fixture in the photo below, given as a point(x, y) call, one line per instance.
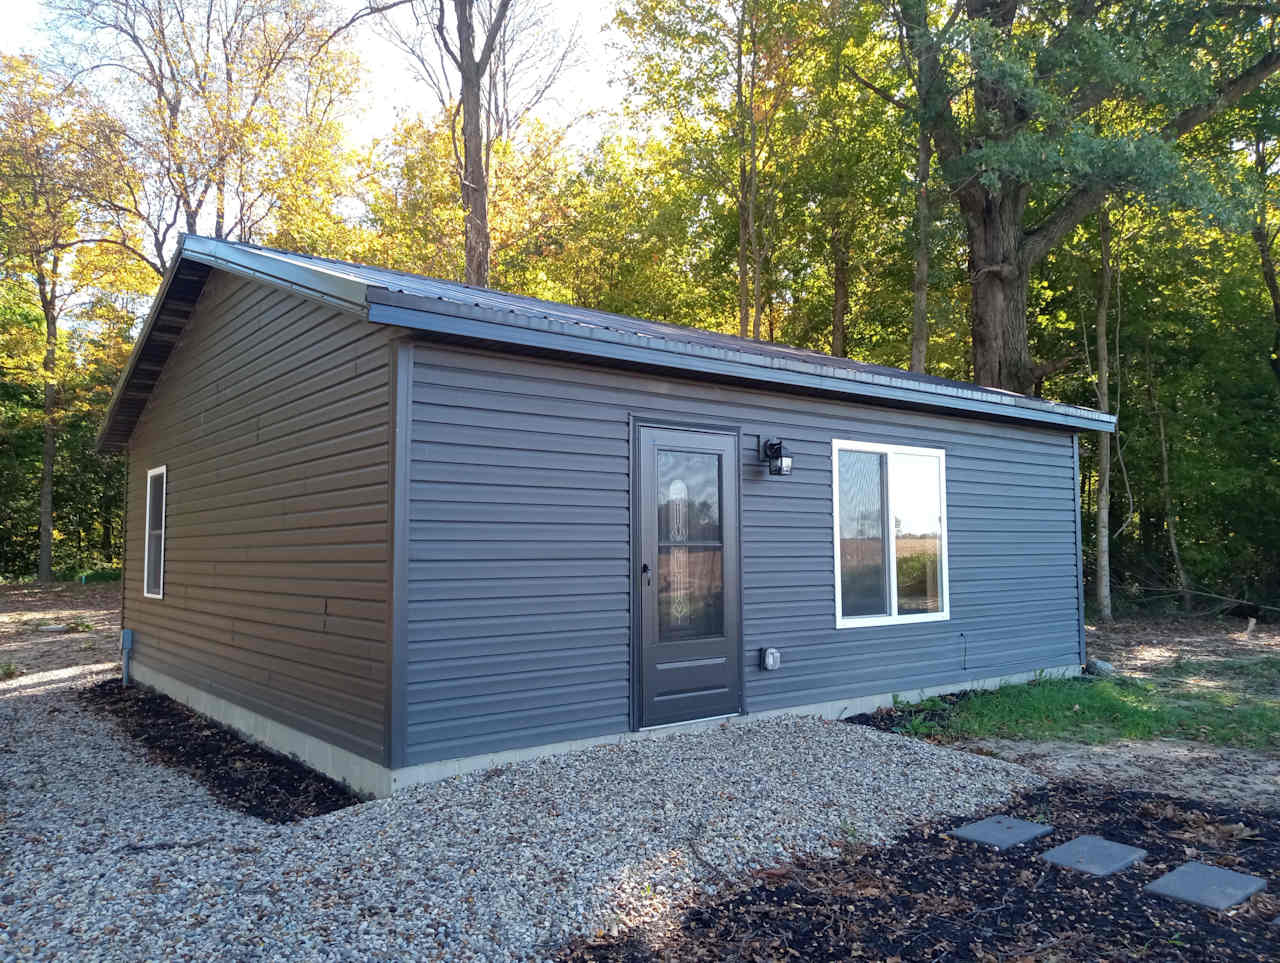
point(777, 455)
point(770, 660)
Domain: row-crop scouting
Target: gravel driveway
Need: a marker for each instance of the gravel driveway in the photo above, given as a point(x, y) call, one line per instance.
point(111, 857)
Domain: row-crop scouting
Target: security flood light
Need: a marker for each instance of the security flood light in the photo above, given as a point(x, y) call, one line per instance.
point(777, 455)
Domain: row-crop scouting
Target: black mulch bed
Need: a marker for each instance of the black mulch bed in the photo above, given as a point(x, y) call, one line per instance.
point(898, 718)
point(241, 775)
point(931, 897)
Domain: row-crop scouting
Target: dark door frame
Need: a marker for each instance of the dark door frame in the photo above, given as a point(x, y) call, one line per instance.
point(675, 424)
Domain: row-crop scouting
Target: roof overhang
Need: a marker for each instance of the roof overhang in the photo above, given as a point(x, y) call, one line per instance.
point(544, 335)
point(529, 327)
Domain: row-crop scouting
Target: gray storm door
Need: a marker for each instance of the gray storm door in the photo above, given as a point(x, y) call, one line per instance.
point(686, 572)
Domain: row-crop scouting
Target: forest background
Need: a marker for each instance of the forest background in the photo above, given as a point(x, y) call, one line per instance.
point(1075, 199)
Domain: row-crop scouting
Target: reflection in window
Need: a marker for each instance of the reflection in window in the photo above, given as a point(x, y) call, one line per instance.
point(917, 531)
point(690, 548)
point(863, 572)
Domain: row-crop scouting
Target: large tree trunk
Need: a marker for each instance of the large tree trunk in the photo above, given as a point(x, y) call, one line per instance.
point(1104, 438)
point(840, 282)
point(998, 278)
point(475, 174)
point(475, 186)
point(920, 282)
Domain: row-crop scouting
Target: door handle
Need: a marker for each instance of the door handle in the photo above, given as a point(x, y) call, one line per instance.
point(644, 570)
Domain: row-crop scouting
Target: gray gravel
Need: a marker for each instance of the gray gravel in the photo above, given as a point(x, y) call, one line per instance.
point(111, 857)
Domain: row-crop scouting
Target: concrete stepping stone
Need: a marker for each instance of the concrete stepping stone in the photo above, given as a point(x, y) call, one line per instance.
point(1001, 832)
point(1095, 855)
point(1206, 885)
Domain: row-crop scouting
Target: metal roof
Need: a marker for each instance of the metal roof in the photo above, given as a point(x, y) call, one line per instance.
point(461, 312)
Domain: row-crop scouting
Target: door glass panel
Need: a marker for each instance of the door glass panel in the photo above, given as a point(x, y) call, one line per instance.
point(917, 529)
point(688, 497)
point(690, 547)
point(863, 542)
point(690, 592)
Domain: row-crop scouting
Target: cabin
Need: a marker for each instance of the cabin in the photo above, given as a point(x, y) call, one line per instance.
point(402, 528)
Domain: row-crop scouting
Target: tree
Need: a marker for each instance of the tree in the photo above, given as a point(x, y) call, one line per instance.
point(1103, 576)
point(214, 98)
point(490, 65)
point(1264, 141)
point(720, 74)
point(49, 135)
point(1039, 112)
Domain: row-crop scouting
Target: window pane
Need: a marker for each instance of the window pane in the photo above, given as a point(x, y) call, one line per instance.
point(690, 592)
point(154, 563)
point(917, 521)
point(863, 549)
point(154, 557)
point(688, 497)
point(690, 552)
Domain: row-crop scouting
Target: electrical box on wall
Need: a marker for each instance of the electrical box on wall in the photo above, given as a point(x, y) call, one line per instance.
point(770, 659)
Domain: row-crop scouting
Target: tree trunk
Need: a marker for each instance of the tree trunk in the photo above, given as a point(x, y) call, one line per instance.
point(744, 232)
point(106, 543)
point(999, 278)
point(475, 175)
point(744, 244)
point(1263, 238)
point(475, 187)
point(840, 279)
point(920, 282)
point(45, 565)
point(1103, 574)
point(1166, 490)
point(753, 190)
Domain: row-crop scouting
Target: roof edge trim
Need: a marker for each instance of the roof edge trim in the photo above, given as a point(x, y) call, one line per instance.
point(469, 322)
point(320, 284)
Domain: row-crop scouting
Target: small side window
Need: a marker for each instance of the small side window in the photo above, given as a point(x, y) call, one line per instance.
point(153, 551)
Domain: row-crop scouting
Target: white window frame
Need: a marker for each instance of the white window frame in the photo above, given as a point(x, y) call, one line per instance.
point(163, 472)
point(944, 584)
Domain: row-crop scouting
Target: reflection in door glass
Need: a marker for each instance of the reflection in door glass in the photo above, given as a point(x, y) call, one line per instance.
point(690, 550)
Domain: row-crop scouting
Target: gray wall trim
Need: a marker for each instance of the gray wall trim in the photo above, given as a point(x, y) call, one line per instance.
point(553, 337)
point(401, 440)
point(1075, 462)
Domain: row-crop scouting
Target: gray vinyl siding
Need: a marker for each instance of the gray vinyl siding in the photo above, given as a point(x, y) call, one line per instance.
point(273, 416)
point(519, 552)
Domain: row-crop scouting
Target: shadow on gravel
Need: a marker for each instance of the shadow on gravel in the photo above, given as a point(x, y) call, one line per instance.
point(931, 897)
point(241, 775)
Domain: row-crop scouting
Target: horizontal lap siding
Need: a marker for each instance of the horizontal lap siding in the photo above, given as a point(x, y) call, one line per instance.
point(519, 616)
point(272, 416)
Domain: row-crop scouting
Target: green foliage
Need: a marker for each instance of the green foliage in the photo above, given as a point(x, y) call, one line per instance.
point(729, 100)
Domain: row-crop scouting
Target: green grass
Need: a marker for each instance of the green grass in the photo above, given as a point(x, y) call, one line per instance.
point(1230, 703)
point(8, 670)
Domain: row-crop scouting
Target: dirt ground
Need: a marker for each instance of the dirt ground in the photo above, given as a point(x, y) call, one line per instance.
point(1145, 648)
point(91, 614)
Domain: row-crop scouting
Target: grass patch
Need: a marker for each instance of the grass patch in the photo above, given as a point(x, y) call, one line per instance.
point(1225, 703)
point(9, 670)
